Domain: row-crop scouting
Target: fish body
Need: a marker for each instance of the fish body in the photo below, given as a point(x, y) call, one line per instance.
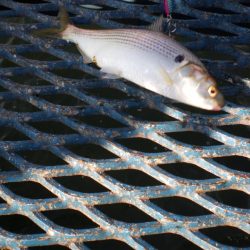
point(148, 58)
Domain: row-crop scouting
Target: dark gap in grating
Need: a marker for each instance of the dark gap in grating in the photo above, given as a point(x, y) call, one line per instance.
point(29, 189)
point(242, 48)
point(133, 177)
point(212, 31)
point(238, 130)
point(241, 99)
point(18, 106)
point(63, 99)
point(180, 206)
point(193, 138)
point(81, 183)
point(245, 3)
point(2, 201)
point(2, 89)
point(108, 93)
point(244, 24)
point(4, 8)
point(7, 63)
point(19, 224)
point(41, 157)
point(6, 165)
point(40, 56)
point(216, 10)
point(131, 21)
point(228, 235)
point(101, 121)
point(52, 127)
point(142, 145)
point(124, 212)
point(239, 163)
point(169, 241)
point(195, 110)
point(69, 47)
point(187, 171)
point(69, 218)
point(210, 55)
point(231, 197)
point(107, 244)
point(54, 247)
point(29, 79)
point(72, 73)
point(148, 114)
point(11, 134)
point(143, 2)
point(91, 151)
point(31, 1)
point(55, 13)
point(181, 16)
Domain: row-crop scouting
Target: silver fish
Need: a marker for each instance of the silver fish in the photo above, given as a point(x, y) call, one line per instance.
point(148, 58)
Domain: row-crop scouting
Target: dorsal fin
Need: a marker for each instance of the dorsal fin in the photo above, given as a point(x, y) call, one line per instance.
point(157, 25)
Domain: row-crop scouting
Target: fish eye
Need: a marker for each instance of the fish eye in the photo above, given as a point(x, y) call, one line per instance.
point(212, 90)
point(179, 58)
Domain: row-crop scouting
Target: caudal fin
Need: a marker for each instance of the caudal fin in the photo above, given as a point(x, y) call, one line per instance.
point(56, 32)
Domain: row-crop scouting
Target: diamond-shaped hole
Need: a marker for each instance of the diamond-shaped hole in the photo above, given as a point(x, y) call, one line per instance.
point(19, 224)
point(239, 163)
point(7, 63)
point(180, 206)
point(194, 138)
point(148, 114)
point(228, 235)
point(107, 244)
point(2, 201)
point(11, 134)
point(142, 145)
point(52, 127)
point(39, 55)
point(6, 165)
point(91, 151)
point(210, 55)
point(29, 79)
point(243, 24)
point(133, 177)
point(124, 212)
point(238, 130)
point(101, 121)
point(29, 189)
point(54, 247)
point(182, 16)
point(231, 197)
point(187, 170)
point(169, 241)
point(4, 8)
point(216, 10)
point(213, 31)
point(69, 218)
point(108, 93)
point(81, 183)
point(18, 106)
point(131, 21)
point(72, 73)
point(41, 157)
point(31, 1)
point(2, 89)
point(63, 99)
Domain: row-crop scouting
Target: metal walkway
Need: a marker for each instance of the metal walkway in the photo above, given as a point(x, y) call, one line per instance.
point(103, 164)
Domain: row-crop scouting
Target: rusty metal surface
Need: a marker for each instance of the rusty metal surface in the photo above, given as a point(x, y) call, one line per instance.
point(86, 161)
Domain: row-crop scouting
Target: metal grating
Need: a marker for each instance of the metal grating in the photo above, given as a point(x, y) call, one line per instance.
point(103, 164)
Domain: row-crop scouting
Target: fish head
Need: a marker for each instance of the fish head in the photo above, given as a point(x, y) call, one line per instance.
point(198, 88)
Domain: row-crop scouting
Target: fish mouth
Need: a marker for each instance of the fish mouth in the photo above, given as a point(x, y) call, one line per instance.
point(219, 104)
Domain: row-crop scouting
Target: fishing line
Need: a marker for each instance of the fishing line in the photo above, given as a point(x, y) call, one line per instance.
point(168, 7)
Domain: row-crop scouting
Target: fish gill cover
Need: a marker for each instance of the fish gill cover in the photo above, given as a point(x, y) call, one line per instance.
point(104, 164)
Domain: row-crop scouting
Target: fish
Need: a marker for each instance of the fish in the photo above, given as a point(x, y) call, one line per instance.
point(146, 57)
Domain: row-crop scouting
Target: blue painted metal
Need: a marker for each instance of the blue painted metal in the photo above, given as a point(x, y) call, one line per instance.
point(185, 120)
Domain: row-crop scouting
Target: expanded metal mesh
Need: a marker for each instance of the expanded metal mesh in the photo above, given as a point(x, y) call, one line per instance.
point(88, 163)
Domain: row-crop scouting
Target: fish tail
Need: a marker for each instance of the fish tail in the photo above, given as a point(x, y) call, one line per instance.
point(62, 32)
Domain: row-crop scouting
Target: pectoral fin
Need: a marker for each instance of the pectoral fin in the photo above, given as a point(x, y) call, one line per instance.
point(111, 73)
point(166, 77)
point(86, 59)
